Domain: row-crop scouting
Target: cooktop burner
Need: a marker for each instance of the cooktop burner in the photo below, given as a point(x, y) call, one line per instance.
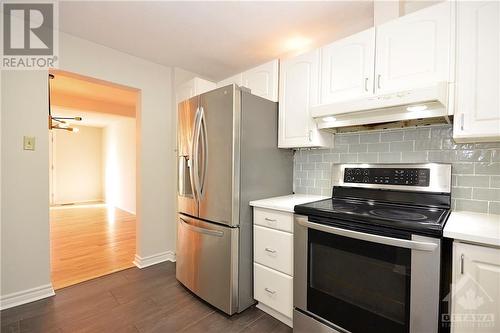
point(398, 214)
point(345, 208)
point(415, 218)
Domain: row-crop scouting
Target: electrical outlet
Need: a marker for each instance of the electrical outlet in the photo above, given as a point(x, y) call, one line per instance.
point(29, 143)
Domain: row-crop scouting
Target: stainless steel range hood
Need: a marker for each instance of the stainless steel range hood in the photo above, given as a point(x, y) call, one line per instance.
point(424, 105)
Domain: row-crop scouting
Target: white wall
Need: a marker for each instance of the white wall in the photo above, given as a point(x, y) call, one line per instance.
point(25, 174)
point(119, 164)
point(25, 182)
point(78, 160)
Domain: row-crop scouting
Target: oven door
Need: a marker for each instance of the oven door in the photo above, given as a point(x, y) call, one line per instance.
point(354, 281)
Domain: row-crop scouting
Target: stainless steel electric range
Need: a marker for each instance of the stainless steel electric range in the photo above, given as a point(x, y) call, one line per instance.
point(369, 259)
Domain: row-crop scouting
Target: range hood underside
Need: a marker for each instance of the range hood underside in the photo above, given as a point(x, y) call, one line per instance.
point(393, 124)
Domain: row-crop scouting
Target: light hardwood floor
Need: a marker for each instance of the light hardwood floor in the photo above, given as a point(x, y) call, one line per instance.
point(88, 241)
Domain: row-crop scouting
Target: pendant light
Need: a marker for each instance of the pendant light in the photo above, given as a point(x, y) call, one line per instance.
point(60, 122)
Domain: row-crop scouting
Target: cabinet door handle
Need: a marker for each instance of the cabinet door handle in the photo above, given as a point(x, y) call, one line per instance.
point(366, 84)
point(272, 292)
point(378, 81)
point(270, 250)
point(310, 135)
point(462, 264)
point(270, 219)
point(462, 118)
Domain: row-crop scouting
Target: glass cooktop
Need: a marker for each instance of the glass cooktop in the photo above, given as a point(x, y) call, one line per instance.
point(398, 216)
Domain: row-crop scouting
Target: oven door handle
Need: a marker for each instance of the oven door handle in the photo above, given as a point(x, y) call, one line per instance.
point(409, 244)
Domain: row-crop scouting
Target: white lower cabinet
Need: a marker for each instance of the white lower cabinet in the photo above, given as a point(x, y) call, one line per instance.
point(475, 295)
point(273, 262)
point(274, 289)
point(273, 249)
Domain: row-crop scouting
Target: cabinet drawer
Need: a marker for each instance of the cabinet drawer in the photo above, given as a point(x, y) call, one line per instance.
point(273, 289)
point(273, 248)
point(273, 219)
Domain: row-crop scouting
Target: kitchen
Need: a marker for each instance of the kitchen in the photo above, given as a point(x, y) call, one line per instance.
point(387, 138)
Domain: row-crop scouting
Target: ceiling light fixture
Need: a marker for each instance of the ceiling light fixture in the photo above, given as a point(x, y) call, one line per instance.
point(60, 122)
point(416, 108)
point(297, 43)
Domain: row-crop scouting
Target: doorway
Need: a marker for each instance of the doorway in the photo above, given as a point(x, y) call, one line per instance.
point(92, 159)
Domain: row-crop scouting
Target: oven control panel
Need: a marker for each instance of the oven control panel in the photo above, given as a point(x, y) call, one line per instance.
point(387, 176)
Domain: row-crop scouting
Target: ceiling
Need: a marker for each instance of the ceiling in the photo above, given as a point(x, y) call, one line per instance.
point(213, 39)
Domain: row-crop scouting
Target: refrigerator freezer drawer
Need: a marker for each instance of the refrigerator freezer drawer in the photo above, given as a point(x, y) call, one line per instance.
point(207, 261)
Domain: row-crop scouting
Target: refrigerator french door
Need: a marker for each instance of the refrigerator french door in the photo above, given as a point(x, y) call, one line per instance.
point(227, 156)
point(207, 235)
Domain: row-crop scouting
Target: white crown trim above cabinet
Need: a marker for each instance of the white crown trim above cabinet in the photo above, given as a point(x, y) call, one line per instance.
point(477, 115)
point(298, 91)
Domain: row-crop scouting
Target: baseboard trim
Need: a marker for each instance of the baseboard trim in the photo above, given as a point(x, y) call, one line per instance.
point(26, 296)
point(278, 315)
point(143, 262)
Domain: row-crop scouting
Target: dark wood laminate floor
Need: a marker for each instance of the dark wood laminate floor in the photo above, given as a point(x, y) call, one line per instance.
point(133, 300)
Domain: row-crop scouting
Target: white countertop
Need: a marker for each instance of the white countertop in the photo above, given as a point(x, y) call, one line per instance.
point(287, 202)
point(474, 227)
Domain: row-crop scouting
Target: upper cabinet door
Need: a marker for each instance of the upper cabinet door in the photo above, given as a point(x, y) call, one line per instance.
point(263, 80)
point(235, 79)
point(193, 87)
point(477, 115)
point(414, 50)
point(347, 68)
point(299, 79)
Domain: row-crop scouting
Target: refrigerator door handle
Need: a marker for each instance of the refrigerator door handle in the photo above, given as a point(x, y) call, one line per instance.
point(201, 230)
point(193, 170)
point(203, 125)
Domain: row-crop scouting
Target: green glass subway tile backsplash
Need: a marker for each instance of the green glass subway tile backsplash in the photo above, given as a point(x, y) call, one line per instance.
point(476, 166)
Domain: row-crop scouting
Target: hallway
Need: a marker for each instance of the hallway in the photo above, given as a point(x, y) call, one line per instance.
point(88, 241)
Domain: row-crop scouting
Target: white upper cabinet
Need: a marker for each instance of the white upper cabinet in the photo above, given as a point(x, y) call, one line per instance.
point(263, 80)
point(477, 113)
point(475, 288)
point(347, 68)
point(298, 90)
point(236, 79)
point(414, 50)
point(192, 88)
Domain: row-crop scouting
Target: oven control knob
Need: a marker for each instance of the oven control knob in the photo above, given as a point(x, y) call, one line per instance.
point(365, 172)
point(349, 178)
point(358, 171)
point(366, 179)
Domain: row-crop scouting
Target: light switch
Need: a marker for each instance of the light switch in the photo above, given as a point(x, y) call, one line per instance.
point(29, 143)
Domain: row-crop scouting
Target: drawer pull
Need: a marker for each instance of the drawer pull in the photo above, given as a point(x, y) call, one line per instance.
point(270, 250)
point(272, 292)
point(270, 220)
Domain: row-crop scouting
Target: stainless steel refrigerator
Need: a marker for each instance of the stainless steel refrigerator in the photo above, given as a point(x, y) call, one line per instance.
point(227, 156)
